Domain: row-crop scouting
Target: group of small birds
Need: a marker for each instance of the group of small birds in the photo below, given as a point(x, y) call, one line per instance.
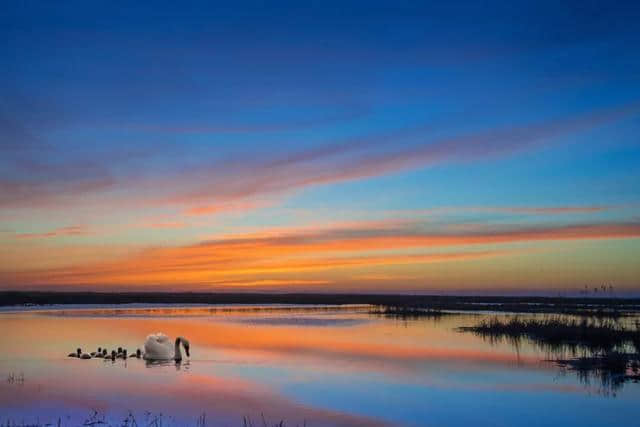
point(102, 353)
point(157, 346)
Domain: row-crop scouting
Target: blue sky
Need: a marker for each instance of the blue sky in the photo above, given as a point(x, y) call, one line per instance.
point(127, 129)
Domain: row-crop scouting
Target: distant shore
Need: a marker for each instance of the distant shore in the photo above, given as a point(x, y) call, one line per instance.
point(519, 304)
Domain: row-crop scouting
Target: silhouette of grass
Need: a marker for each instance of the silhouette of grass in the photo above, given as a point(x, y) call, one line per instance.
point(608, 350)
point(408, 312)
point(97, 419)
point(592, 334)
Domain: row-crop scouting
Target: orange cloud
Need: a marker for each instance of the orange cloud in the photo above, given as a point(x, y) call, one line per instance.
point(170, 224)
point(203, 210)
point(296, 256)
point(222, 207)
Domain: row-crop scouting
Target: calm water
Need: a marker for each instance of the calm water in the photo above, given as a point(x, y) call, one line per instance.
point(323, 366)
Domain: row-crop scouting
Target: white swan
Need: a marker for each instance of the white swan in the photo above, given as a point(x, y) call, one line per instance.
point(158, 347)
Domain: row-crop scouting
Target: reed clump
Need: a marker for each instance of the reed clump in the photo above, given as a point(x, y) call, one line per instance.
point(407, 312)
point(602, 348)
point(592, 334)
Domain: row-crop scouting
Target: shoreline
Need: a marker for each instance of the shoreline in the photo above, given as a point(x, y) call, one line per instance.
point(12, 300)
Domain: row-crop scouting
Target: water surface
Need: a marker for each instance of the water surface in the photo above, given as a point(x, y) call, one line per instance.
point(323, 366)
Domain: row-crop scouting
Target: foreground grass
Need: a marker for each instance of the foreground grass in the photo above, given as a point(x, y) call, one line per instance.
point(97, 419)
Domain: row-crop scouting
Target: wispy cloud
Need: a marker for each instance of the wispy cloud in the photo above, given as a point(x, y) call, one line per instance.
point(241, 205)
point(525, 210)
point(402, 234)
point(55, 192)
point(555, 210)
point(377, 155)
point(238, 183)
point(74, 230)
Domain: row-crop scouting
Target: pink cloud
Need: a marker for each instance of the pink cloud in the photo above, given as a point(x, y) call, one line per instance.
point(235, 185)
point(375, 156)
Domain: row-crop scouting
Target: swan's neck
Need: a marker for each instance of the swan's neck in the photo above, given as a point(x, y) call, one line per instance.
point(177, 354)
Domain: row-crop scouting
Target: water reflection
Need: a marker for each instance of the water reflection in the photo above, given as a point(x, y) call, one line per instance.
point(325, 366)
point(198, 311)
point(179, 365)
point(301, 321)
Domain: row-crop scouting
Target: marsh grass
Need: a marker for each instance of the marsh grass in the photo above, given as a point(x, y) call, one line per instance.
point(592, 334)
point(601, 348)
point(404, 312)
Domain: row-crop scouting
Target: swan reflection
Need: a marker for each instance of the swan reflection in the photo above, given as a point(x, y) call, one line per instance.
point(179, 365)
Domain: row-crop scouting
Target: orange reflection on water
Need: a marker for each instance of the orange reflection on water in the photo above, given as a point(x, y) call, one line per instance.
point(370, 340)
point(240, 360)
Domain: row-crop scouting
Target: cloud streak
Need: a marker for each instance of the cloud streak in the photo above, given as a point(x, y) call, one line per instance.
point(379, 155)
point(244, 182)
point(73, 230)
point(519, 210)
point(300, 255)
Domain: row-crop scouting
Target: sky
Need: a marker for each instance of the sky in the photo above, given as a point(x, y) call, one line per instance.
point(409, 147)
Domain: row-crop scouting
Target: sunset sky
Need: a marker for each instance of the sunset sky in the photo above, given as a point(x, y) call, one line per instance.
point(460, 147)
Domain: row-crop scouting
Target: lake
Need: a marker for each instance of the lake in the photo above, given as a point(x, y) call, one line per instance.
point(313, 366)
